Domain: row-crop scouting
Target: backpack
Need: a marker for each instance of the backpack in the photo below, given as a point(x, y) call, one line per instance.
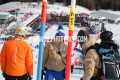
point(109, 58)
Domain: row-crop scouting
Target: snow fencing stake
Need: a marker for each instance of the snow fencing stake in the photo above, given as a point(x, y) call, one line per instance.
point(42, 31)
point(69, 49)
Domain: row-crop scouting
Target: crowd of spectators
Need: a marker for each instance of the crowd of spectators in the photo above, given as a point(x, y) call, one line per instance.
point(79, 18)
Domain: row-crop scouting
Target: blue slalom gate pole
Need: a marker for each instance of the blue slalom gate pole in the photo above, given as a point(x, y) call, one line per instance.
point(41, 48)
point(41, 45)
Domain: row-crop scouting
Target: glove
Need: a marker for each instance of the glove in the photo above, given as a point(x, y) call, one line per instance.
point(81, 79)
point(30, 77)
point(43, 73)
point(4, 74)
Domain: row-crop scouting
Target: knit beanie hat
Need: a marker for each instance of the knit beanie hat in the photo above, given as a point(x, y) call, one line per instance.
point(60, 31)
point(60, 28)
point(106, 35)
point(82, 33)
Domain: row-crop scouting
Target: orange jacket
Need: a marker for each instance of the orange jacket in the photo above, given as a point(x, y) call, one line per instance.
point(16, 57)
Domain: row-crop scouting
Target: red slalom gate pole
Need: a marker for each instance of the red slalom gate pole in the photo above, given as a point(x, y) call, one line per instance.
point(69, 49)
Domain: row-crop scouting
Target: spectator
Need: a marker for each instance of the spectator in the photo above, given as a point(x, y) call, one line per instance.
point(16, 57)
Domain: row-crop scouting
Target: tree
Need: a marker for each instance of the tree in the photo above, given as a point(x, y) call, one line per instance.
point(112, 5)
point(97, 6)
point(102, 4)
point(119, 6)
point(87, 4)
point(78, 2)
point(38, 2)
point(116, 5)
point(52, 1)
point(64, 1)
point(1, 2)
point(68, 2)
point(84, 3)
point(107, 3)
point(91, 4)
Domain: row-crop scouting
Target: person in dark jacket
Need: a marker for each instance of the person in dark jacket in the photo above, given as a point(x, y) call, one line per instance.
point(106, 41)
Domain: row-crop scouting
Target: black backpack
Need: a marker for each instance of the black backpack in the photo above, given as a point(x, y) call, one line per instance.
point(109, 58)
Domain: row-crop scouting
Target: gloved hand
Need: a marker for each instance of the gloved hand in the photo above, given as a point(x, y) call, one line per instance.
point(81, 79)
point(30, 77)
point(43, 73)
point(4, 74)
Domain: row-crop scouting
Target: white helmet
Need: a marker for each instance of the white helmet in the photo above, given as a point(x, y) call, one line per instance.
point(22, 31)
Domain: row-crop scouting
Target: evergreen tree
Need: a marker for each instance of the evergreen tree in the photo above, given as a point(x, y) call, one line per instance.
point(91, 4)
point(97, 6)
point(112, 5)
point(52, 1)
point(87, 4)
point(1, 2)
point(78, 2)
point(38, 2)
point(64, 1)
point(84, 3)
point(115, 5)
point(68, 2)
point(118, 5)
point(102, 4)
point(108, 3)
point(81, 2)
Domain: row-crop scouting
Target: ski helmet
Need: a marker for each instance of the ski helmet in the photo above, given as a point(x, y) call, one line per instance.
point(106, 35)
point(22, 31)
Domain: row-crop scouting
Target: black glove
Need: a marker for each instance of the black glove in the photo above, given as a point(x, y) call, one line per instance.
point(30, 77)
point(4, 74)
point(81, 79)
point(43, 73)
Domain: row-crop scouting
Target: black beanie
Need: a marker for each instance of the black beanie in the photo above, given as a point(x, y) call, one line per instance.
point(106, 35)
point(83, 33)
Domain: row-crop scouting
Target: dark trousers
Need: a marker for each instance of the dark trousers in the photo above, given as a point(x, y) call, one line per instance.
point(72, 66)
point(24, 77)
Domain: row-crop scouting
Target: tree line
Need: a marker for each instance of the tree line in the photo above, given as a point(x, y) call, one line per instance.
point(98, 4)
point(90, 4)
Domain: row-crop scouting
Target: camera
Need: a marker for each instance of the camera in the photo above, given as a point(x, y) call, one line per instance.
point(59, 52)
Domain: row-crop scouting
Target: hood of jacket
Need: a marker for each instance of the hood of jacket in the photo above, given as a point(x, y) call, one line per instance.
point(86, 45)
point(110, 44)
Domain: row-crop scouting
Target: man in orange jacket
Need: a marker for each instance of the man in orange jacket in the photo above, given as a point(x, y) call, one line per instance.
point(17, 58)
